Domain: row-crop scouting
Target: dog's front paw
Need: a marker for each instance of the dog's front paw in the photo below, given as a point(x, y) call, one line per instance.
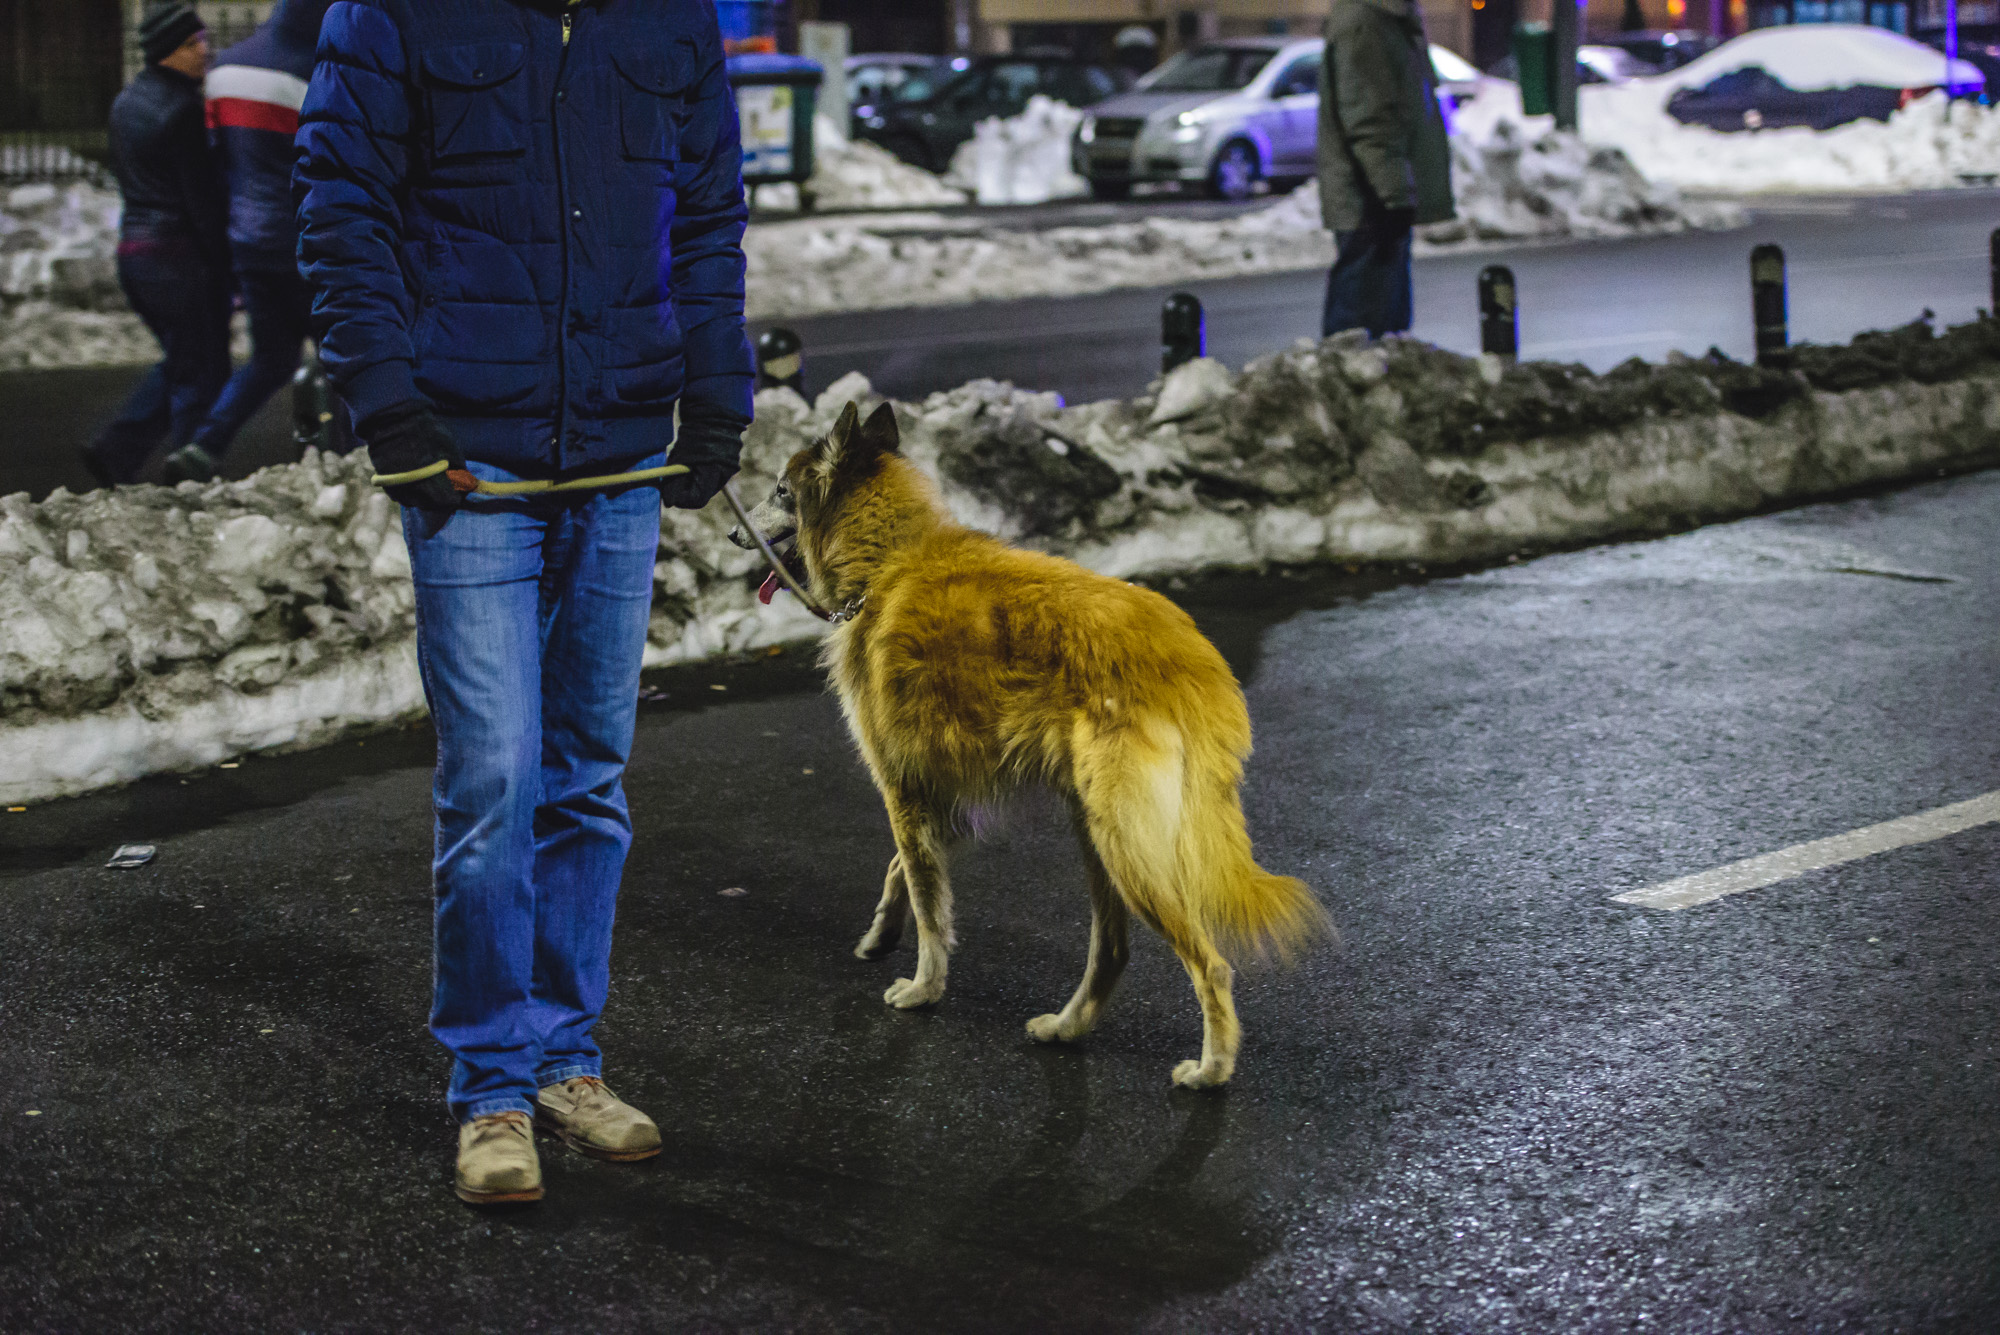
point(1048, 1029)
point(905, 994)
point(1195, 1075)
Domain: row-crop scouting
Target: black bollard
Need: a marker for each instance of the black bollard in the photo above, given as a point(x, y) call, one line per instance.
point(1499, 313)
point(781, 361)
point(1993, 268)
point(1767, 304)
point(312, 405)
point(1183, 331)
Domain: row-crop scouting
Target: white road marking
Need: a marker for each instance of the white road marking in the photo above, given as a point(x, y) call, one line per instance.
point(1783, 865)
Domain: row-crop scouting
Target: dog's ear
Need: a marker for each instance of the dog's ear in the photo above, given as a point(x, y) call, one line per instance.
point(838, 439)
point(879, 431)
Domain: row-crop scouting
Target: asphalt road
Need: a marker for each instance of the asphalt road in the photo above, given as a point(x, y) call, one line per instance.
point(1856, 263)
point(1506, 1104)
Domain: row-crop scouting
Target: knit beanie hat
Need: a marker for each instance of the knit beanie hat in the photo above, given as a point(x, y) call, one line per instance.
point(166, 25)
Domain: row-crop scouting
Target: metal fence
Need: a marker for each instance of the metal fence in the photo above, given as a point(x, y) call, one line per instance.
point(31, 156)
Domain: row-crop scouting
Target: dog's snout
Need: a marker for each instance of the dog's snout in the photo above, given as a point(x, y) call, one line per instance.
point(740, 538)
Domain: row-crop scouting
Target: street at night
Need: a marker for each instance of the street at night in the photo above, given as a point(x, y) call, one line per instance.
point(1398, 593)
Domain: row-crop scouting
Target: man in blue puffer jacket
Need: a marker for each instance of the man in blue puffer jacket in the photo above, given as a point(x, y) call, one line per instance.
point(522, 221)
point(255, 89)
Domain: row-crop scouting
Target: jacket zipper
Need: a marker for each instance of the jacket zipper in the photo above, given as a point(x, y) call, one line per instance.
point(563, 221)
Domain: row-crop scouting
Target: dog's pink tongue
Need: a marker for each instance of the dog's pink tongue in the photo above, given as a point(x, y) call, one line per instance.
point(769, 588)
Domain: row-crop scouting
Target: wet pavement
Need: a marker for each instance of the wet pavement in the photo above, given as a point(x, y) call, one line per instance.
point(1505, 1104)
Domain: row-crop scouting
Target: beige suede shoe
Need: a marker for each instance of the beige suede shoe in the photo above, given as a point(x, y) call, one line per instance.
point(592, 1120)
point(497, 1163)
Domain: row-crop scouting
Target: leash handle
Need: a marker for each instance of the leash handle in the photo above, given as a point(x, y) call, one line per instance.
point(777, 566)
point(466, 482)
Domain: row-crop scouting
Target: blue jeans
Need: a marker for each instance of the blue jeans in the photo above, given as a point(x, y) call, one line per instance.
point(185, 303)
point(280, 308)
point(531, 620)
point(1369, 287)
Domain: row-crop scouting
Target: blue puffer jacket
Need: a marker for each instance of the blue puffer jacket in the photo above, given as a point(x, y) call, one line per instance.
point(542, 237)
point(255, 89)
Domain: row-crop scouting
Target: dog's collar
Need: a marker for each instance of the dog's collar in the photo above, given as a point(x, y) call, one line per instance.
point(847, 613)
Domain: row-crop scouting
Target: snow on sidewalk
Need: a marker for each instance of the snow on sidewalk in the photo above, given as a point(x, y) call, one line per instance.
point(154, 629)
point(61, 303)
point(1509, 188)
point(1932, 144)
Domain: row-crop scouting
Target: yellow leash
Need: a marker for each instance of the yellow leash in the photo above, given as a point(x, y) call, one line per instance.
point(466, 482)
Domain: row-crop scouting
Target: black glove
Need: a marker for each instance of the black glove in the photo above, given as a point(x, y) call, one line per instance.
point(711, 441)
point(405, 437)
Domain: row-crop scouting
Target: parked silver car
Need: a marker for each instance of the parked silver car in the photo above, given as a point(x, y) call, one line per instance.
point(1227, 114)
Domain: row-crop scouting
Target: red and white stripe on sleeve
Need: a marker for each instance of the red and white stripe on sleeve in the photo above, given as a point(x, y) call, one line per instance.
point(247, 98)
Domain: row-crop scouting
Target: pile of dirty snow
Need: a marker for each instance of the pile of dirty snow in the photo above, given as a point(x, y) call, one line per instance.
point(60, 305)
point(853, 174)
point(1932, 144)
point(59, 298)
point(1023, 159)
point(152, 629)
point(1509, 187)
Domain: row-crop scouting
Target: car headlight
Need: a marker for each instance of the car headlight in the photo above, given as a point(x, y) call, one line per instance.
point(1187, 134)
point(1086, 130)
point(1188, 118)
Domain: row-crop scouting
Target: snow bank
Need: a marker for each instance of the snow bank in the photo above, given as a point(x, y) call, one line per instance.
point(1510, 187)
point(60, 304)
point(1022, 159)
point(153, 629)
point(1932, 144)
point(59, 298)
point(853, 174)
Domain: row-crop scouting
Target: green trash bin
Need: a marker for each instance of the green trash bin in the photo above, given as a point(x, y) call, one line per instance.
point(776, 99)
point(1534, 49)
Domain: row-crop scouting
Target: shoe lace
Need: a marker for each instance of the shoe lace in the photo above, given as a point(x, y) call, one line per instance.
point(495, 1125)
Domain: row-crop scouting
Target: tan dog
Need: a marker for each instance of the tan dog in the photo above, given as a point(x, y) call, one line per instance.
point(972, 668)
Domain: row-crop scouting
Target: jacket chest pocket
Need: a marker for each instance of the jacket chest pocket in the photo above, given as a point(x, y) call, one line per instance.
point(651, 101)
point(478, 100)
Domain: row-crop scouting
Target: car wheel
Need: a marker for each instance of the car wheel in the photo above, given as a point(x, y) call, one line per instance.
point(1235, 173)
point(1111, 190)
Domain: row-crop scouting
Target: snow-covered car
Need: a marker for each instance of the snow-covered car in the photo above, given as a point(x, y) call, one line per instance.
point(1818, 75)
point(1662, 48)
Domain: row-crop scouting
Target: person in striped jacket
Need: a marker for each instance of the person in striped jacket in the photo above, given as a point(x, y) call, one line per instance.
point(255, 90)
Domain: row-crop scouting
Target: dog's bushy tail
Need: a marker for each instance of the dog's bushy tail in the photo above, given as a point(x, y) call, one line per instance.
point(1165, 816)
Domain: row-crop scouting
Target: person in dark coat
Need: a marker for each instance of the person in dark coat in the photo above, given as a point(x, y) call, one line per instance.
point(1384, 161)
point(173, 248)
point(255, 89)
point(522, 221)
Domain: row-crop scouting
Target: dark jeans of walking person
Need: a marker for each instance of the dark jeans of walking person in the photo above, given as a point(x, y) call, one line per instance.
point(280, 308)
point(185, 303)
point(1369, 286)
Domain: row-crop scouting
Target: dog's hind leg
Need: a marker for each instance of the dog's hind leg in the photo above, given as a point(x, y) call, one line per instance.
point(1110, 947)
point(920, 849)
point(1211, 976)
point(886, 933)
